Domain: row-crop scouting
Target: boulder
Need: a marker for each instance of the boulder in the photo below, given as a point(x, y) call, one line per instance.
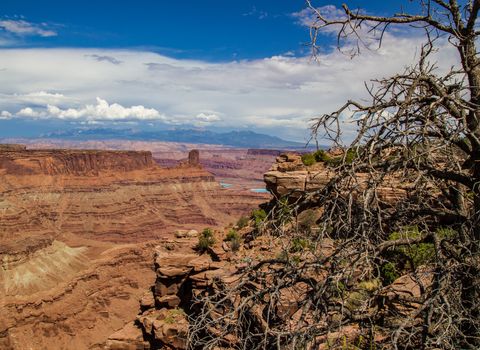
point(173, 271)
point(172, 330)
point(181, 234)
point(192, 234)
point(147, 301)
point(169, 301)
point(129, 337)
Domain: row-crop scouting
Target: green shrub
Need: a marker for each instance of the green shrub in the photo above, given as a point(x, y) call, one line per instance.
point(299, 245)
point(234, 238)
point(419, 254)
point(410, 256)
point(259, 215)
point(369, 285)
point(352, 153)
point(389, 273)
point(356, 299)
point(308, 159)
point(242, 222)
point(173, 315)
point(235, 243)
point(321, 156)
point(446, 233)
point(231, 235)
point(205, 240)
point(284, 212)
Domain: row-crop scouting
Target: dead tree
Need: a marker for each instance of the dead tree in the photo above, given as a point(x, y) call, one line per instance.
point(419, 132)
point(429, 122)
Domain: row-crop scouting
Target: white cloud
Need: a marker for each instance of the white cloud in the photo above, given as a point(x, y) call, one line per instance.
point(278, 94)
point(309, 17)
point(29, 113)
point(260, 14)
point(5, 115)
point(209, 118)
point(34, 98)
point(22, 28)
point(105, 111)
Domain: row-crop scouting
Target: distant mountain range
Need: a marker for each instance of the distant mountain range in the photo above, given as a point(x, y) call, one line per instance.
point(243, 139)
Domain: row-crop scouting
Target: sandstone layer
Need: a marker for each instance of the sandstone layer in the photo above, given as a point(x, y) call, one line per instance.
point(288, 176)
point(77, 229)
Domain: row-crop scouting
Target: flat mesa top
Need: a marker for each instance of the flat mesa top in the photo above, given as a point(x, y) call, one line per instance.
point(19, 148)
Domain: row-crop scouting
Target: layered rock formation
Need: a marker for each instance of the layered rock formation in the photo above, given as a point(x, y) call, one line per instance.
point(289, 176)
point(72, 297)
point(15, 161)
point(76, 232)
point(216, 299)
point(182, 276)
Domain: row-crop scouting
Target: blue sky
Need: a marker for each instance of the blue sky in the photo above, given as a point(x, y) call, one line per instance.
point(213, 30)
point(212, 64)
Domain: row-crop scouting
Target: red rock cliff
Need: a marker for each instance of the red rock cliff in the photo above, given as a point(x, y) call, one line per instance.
point(75, 162)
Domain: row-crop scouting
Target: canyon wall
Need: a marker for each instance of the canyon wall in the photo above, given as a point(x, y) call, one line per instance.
point(14, 161)
point(76, 235)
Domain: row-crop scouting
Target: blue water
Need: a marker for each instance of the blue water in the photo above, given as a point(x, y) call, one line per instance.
point(225, 185)
point(259, 190)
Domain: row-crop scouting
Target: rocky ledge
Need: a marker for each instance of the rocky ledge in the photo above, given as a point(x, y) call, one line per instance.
point(288, 176)
point(182, 276)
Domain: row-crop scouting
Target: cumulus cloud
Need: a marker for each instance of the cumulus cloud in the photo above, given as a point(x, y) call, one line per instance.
point(29, 113)
point(5, 115)
point(23, 28)
point(209, 118)
point(102, 110)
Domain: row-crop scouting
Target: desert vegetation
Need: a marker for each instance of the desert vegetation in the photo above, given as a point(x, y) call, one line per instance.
point(206, 240)
point(371, 272)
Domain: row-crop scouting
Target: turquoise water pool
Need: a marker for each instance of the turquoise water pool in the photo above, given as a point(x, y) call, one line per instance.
point(225, 185)
point(259, 190)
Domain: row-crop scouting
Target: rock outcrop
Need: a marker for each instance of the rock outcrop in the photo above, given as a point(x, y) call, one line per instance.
point(194, 157)
point(289, 176)
point(184, 278)
point(181, 276)
point(12, 147)
point(264, 152)
point(255, 293)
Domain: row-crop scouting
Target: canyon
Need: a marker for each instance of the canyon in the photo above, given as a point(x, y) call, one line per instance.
point(241, 167)
point(78, 230)
point(102, 249)
point(245, 281)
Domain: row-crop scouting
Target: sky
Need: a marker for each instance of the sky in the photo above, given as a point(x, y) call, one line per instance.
point(214, 64)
